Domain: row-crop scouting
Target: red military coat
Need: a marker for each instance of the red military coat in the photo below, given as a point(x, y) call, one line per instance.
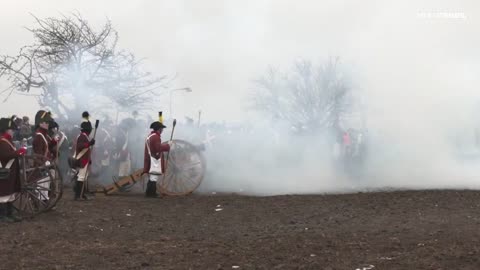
point(43, 144)
point(157, 148)
point(83, 141)
point(8, 152)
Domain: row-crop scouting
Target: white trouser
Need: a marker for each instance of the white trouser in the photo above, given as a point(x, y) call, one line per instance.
point(82, 174)
point(154, 177)
point(44, 183)
point(8, 198)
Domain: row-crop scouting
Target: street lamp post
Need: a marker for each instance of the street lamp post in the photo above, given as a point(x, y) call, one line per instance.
point(186, 89)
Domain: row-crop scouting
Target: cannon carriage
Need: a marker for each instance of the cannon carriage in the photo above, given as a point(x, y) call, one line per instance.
point(41, 185)
point(184, 173)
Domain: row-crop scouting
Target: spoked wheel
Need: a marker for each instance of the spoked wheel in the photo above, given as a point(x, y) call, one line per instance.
point(42, 185)
point(185, 169)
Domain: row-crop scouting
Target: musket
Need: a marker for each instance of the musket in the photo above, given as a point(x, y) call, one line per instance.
point(171, 136)
point(199, 116)
point(168, 153)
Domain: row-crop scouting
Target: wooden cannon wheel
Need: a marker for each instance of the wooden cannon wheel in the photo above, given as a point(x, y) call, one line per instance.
point(185, 169)
point(41, 185)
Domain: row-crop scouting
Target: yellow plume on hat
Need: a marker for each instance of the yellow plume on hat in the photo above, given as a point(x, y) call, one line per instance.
point(46, 114)
point(160, 117)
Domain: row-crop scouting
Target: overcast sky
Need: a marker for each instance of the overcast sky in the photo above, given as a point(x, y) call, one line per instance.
point(217, 47)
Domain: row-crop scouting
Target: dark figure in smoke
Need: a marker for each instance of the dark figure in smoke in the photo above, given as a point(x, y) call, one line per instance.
point(61, 149)
point(154, 162)
point(10, 170)
point(104, 150)
point(123, 155)
point(347, 144)
point(82, 153)
point(18, 123)
point(134, 142)
point(26, 129)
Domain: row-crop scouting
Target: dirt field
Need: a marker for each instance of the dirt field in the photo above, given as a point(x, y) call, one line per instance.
point(387, 230)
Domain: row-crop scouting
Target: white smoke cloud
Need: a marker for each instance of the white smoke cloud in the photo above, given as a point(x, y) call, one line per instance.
point(417, 74)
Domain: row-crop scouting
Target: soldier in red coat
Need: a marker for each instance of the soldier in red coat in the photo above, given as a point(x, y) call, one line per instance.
point(82, 153)
point(43, 145)
point(10, 175)
point(154, 163)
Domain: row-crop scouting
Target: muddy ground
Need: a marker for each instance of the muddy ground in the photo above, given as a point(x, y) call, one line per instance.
point(384, 230)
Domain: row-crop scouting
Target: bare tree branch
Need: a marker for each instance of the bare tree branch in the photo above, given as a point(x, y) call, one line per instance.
point(308, 97)
point(71, 60)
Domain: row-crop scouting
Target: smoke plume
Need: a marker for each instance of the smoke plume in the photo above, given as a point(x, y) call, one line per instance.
point(413, 64)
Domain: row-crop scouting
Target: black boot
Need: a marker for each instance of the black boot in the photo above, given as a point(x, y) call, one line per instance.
point(78, 190)
point(9, 213)
point(3, 212)
point(86, 190)
point(151, 191)
point(148, 191)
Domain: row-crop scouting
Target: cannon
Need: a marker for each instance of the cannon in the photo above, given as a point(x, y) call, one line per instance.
point(184, 173)
point(41, 185)
point(185, 169)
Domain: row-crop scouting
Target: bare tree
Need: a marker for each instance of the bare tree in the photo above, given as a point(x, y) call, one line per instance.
point(309, 97)
point(74, 67)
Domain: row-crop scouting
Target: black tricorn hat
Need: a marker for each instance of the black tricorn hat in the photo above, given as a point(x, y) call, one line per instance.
point(43, 116)
point(53, 125)
point(86, 126)
point(157, 125)
point(6, 124)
